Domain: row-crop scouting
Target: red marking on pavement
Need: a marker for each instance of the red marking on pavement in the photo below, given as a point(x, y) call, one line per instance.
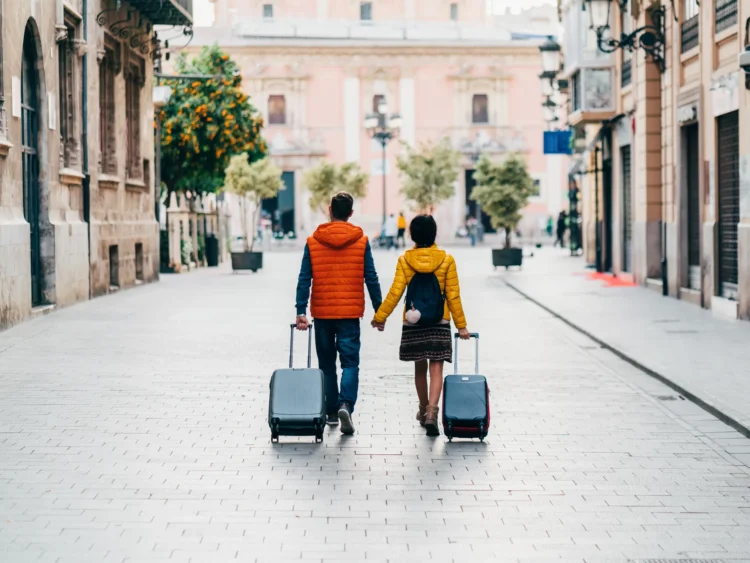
point(611, 280)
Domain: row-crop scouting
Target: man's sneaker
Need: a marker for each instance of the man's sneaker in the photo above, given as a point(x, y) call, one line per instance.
point(332, 419)
point(345, 417)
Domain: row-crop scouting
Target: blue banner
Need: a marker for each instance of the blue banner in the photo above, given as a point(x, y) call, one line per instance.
point(557, 142)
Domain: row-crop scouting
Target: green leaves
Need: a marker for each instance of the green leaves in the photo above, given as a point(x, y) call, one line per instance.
point(503, 191)
point(206, 122)
point(327, 179)
point(257, 181)
point(429, 173)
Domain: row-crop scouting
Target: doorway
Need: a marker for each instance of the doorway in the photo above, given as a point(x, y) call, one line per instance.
point(607, 201)
point(280, 210)
point(627, 210)
point(30, 160)
point(729, 202)
point(471, 205)
point(693, 207)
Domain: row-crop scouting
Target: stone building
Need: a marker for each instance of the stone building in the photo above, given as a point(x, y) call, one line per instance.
point(665, 170)
point(316, 68)
point(76, 149)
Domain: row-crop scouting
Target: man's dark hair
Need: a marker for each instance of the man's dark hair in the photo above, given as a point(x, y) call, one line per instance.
point(423, 231)
point(341, 206)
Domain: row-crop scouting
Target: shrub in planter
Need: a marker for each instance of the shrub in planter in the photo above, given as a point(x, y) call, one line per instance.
point(251, 183)
point(503, 190)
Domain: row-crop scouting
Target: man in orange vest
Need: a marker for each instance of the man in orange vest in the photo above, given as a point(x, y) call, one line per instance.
point(338, 263)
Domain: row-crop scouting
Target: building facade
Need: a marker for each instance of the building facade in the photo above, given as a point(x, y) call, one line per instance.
point(315, 69)
point(665, 165)
point(77, 212)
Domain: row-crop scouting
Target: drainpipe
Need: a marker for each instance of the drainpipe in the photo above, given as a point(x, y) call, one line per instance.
point(85, 135)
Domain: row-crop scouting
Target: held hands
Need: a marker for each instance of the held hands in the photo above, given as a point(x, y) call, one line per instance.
point(464, 334)
point(302, 322)
point(379, 326)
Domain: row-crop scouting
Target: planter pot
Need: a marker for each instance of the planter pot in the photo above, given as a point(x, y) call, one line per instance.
point(212, 251)
point(507, 257)
point(247, 261)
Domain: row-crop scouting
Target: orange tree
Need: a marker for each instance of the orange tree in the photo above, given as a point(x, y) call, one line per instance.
point(205, 123)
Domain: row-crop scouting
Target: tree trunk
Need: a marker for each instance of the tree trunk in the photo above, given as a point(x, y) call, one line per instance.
point(507, 237)
point(243, 221)
point(256, 211)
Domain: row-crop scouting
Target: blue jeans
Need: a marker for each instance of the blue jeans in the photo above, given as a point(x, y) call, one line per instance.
point(342, 336)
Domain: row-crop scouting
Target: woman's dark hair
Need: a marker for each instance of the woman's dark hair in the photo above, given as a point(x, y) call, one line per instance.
point(423, 231)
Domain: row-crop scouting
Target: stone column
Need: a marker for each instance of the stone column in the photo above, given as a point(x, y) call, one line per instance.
point(647, 169)
point(744, 227)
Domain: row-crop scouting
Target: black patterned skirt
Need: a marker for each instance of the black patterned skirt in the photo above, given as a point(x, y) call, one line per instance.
point(426, 343)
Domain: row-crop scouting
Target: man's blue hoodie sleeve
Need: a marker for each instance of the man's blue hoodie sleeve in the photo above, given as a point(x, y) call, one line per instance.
point(371, 279)
point(304, 282)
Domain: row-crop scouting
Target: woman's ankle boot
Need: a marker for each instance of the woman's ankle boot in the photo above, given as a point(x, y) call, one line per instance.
point(431, 421)
point(421, 414)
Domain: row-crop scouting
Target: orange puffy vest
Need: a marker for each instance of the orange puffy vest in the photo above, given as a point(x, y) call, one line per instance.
point(337, 254)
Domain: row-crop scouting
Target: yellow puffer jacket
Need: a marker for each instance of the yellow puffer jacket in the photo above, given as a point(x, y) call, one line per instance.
point(426, 260)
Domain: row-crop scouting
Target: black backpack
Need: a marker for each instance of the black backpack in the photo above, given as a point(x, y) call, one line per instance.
point(425, 296)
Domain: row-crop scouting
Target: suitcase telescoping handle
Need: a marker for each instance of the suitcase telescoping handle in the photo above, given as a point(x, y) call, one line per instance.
point(475, 336)
point(309, 347)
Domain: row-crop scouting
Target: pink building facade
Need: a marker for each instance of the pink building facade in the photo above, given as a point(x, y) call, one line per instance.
point(316, 68)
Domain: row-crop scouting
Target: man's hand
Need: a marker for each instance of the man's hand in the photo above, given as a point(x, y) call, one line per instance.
point(302, 322)
point(464, 334)
point(379, 326)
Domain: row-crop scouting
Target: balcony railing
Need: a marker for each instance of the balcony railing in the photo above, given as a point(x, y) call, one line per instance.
point(627, 73)
point(726, 14)
point(690, 33)
point(166, 12)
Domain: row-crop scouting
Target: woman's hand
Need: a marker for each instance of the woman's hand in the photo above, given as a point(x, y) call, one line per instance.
point(379, 326)
point(464, 334)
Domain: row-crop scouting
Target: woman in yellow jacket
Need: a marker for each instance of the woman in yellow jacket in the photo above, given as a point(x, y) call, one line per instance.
point(426, 345)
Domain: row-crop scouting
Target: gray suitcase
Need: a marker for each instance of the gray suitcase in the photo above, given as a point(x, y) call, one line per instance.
point(297, 399)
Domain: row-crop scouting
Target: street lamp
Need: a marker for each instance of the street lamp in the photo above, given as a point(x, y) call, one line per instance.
point(550, 50)
point(650, 38)
point(383, 128)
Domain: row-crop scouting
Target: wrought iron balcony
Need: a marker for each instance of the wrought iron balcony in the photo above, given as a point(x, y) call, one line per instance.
point(165, 12)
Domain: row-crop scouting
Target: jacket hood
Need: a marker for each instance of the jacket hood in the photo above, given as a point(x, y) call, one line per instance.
point(337, 234)
point(425, 260)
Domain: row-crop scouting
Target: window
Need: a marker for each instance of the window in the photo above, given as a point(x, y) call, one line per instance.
point(479, 109)
point(365, 11)
point(267, 11)
point(276, 110)
point(377, 99)
point(689, 9)
point(454, 11)
point(690, 30)
point(139, 261)
point(109, 67)
point(67, 66)
point(134, 82)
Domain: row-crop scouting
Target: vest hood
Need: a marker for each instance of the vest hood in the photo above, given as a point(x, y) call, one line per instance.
point(337, 234)
point(425, 260)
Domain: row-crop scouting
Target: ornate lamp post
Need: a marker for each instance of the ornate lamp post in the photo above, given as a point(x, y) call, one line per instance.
point(383, 129)
point(650, 38)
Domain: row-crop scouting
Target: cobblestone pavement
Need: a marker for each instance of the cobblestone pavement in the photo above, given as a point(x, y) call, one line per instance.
point(133, 428)
point(709, 355)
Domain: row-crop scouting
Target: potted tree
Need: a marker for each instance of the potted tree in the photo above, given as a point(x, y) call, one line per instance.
point(429, 174)
point(503, 191)
point(251, 183)
point(326, 179)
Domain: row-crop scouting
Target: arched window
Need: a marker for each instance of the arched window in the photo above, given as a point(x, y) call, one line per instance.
point(479, 109)
point(276, 109)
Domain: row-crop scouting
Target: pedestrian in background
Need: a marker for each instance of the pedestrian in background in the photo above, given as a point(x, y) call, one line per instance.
point(401, 239)
point(562, 221)
point(472, 229)
point(426, 333)
point(391, 231)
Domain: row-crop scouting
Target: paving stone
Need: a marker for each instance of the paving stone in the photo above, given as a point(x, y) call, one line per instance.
point(133, 429)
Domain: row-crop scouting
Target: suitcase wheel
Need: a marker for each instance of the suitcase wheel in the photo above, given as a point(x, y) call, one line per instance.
point(275, 432)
